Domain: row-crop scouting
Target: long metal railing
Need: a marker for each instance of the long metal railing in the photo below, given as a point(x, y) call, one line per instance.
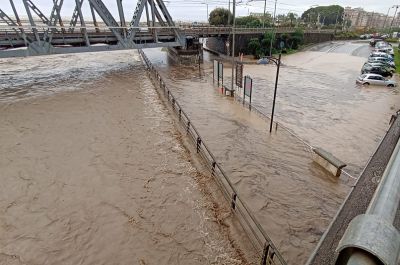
point(269, 254)
point(277, 124)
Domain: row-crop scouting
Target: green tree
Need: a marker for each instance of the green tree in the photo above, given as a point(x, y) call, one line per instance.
point(220, 16)
point(327, 14)
point(296, 39)
point(292, 17)
point(254, 47)
point(248, 21)
point(266, 43)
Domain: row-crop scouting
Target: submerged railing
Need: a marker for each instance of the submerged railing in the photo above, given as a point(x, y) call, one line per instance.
point(269, 254)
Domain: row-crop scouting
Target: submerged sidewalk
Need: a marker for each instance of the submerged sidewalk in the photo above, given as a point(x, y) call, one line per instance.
point(293, 198)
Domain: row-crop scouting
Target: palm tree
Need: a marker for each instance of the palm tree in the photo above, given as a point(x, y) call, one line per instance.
point(292, 16)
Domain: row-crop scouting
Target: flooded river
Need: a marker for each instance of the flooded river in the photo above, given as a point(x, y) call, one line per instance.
point(93, 171)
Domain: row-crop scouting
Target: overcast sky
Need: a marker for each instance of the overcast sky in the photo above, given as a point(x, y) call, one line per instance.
point(196, 10)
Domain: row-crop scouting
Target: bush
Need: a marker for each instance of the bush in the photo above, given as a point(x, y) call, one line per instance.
point(248, 21)
point(254, 47)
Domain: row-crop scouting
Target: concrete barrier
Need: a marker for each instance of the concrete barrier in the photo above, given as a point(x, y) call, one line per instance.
point(328, 161)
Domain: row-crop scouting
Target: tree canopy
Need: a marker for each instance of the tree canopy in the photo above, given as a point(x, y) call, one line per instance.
point(260, 47)
point(220, 16)
point(327, 14)
point(248, 21)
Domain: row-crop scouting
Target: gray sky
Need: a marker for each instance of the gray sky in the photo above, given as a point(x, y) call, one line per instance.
point(196, 10)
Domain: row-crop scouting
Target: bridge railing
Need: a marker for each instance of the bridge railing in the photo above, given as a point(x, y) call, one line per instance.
point(269, 254)
point(184, 28)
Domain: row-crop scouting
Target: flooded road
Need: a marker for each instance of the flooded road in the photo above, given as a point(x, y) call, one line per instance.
point(318, 99)
point(93, 172)
point(292, 197)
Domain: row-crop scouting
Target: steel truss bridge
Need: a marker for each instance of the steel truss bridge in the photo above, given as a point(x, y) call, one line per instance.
point(42, 35)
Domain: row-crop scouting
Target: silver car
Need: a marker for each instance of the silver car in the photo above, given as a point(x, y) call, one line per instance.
point(381, 54)
point(374, 79)
point(381, 59)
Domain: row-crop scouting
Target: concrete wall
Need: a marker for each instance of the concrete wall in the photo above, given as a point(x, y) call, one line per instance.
point(218, 44)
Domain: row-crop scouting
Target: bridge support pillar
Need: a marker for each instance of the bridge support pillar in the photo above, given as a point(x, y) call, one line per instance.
point(191, 54)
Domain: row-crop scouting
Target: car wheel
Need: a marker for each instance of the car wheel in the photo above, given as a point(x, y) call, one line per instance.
point(390, 85)
point(366, 84)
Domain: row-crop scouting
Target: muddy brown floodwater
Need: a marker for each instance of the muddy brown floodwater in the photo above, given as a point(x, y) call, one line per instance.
point(93, 172)
point(292, 197)
point(318, 99)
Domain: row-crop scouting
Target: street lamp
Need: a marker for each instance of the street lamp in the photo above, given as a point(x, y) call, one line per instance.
point(395, 12)
point(205, 3)
point(387, 16)
point(233, 41)
point(277, 62)
point(273, 34)
point(265, 9)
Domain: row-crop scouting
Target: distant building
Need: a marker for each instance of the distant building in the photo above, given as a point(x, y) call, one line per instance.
point(361, 19)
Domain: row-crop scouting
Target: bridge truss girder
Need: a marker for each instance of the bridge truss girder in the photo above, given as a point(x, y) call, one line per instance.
point(39, 39)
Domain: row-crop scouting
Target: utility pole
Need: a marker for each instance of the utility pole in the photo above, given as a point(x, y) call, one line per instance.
point(233, 41)
point(229, 9)
point(394, 16)
point(387, 16)
point(273, 34)
point(336, 20)
point(265, 9)
point(207, 11)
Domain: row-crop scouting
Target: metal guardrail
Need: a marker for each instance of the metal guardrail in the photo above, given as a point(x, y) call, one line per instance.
point(269, 254)
point(307, 147)
point(371, 238)
point(184, 29)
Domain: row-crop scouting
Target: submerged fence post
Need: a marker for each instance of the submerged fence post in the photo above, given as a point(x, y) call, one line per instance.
point(264, 258)
point(198, 145)
point(233, 203)
point(213, 168)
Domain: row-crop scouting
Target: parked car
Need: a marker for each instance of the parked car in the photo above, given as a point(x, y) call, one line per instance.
point(387, 49)
point(381, 59)
point(381, 54)
point(381, 64)
point(373, 41)
point(381, 44)
point(374, 79)
point(383, 71)
point(363, 37)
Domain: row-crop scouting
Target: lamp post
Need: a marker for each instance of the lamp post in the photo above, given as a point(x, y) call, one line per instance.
point(233, 41)
point(394, 16)
point(273, 34)
point(206, 4)
point(387, 16)
point(277, 62)
point(265, 9)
